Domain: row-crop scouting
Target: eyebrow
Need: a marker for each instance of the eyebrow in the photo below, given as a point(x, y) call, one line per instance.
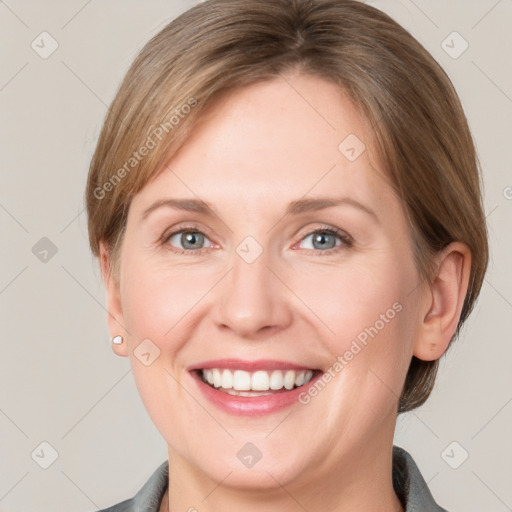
point(294, 208)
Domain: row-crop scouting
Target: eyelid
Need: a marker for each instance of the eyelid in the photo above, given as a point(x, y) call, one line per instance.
point(346, 240)
point(343, 236)
point(188, 228)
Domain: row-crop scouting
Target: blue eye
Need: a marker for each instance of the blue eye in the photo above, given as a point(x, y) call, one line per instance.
point(188, 239)
point(324, 240)
point(327, 239)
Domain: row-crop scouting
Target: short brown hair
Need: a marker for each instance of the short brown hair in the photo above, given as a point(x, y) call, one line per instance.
point(220, 45)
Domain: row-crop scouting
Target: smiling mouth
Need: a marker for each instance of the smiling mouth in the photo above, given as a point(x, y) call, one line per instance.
point(257, 383)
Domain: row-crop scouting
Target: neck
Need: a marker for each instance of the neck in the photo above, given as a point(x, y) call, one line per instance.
point(363, 481)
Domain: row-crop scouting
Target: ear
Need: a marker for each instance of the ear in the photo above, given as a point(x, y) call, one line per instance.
point(443, 302)
point(114, 309)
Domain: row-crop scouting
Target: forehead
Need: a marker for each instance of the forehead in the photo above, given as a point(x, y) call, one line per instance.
point(276, 141)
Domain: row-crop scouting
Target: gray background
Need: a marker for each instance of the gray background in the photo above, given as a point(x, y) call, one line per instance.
point(61, 383)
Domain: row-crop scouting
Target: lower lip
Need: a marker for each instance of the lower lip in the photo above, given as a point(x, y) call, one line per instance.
point(252, 406)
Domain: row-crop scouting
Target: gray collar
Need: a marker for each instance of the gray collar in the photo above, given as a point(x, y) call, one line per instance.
point(409, 485)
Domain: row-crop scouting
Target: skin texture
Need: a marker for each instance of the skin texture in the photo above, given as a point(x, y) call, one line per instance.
point(255, 151)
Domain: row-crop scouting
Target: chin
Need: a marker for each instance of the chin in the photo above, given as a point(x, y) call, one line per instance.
point(263, 472)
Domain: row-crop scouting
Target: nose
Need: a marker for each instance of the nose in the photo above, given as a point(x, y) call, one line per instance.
point(253, 301)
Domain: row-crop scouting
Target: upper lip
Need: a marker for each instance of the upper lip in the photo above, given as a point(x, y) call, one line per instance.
point(241, 364)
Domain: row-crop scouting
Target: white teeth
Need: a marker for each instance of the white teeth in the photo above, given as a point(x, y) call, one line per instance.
point(241, 380)
point(261, 380)
point(300, 379)
point(289, 379)
point(227, 379)
point(276, 380)
point(217, 379)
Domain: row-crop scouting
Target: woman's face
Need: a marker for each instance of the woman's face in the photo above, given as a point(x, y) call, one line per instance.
point(302, 263)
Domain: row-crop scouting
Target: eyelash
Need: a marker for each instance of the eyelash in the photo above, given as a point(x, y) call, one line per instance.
point(346, 240)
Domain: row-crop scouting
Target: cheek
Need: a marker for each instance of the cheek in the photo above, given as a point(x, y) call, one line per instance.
point(157, 298)
point(347, 299)
point(367, 310)
point(351, 298)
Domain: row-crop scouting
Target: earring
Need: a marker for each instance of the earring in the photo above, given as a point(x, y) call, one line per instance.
point(117, 340)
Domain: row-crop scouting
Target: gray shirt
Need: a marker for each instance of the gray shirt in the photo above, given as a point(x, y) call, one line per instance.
point(409, 485)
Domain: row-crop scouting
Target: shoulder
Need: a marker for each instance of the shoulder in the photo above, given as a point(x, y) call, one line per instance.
point(410, 485)
point(149, 497)
point(124, 506)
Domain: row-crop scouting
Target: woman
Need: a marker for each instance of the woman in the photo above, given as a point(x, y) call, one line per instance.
point(286, 207)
